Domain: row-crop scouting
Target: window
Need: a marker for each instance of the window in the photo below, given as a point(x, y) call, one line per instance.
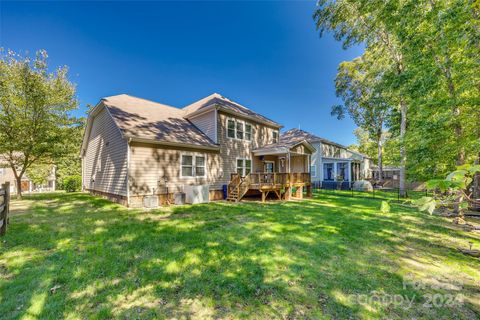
point(275, 136)
point(231, 128)
point(199, 166)
point(187, 166)
point(328, 171)
point(240, 130)
point(244, 167)
point(342, 171)
point(237, 129)
point(313, 170)
point(193, 166)
point(248, 131)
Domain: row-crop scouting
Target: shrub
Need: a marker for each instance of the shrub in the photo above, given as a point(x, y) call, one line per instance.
point(72, 183)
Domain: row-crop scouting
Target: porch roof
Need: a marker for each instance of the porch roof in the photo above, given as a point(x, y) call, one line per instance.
point(283, 147)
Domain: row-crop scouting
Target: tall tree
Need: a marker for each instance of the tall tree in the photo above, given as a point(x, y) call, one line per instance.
point(358, 83)
point(34, 109)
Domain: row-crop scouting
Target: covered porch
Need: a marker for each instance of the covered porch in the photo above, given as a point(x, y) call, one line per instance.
point(281, 170)
point(340, 173)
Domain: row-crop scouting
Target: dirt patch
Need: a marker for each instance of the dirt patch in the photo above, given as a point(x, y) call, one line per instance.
point(18, 207)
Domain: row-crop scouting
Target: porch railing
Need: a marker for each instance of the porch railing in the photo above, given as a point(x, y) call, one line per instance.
point(238, 186)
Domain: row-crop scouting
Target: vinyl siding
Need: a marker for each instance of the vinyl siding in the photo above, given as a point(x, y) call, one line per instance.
point(151, 164)
point(206, 123)
point(231, 149)
point(105, 159)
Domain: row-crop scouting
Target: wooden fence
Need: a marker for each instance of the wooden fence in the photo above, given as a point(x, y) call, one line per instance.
point(4, 207)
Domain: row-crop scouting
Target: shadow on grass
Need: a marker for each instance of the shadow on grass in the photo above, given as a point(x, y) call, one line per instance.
point(74, 254)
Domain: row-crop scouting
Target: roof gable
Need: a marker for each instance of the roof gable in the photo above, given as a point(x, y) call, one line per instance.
point(227, 105)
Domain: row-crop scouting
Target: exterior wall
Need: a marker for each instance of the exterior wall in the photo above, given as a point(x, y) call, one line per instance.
point(231, 149)
point(206, 122)
point(327, 153)
point(6, 175)
point(104, 162)
point(151, 165)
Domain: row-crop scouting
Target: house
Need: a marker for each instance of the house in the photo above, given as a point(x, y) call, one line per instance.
point(332, 162)
point(6, 175)
point(135, 149)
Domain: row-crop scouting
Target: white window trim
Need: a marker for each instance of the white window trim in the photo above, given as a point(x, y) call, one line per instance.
point(244, 123)
point(273, 138)
point(314, 175)
point(244, 165)
point(194, 156)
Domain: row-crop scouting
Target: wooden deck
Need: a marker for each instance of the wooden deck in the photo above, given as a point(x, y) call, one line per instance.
point(280, 184)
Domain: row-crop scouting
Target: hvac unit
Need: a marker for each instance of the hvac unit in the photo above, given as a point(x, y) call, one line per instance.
point(150, 202)
point(196, 194)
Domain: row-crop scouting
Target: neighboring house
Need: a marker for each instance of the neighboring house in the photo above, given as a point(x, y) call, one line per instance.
point(389, 173)
point(332, 162)
point(6, 175)
point(134, 149)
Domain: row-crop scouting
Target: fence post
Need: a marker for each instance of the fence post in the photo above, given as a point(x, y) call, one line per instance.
point(4, 213)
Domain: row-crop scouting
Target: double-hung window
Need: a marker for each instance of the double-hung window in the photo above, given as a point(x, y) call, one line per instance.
point(275, 137)
point(244, 166)
point(313, 170)
point(193, 166)
point(248, 132)
point(239, 129)
point(231, 128)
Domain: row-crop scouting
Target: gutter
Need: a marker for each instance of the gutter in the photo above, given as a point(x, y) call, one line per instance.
point(173, 144)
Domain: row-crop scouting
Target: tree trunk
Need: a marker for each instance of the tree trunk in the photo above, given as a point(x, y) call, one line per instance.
point(403, 151)
point(19, 187)
point(380, 158)
point(476, 186)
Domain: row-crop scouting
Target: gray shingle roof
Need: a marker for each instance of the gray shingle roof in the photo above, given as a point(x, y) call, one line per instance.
point(148, 120)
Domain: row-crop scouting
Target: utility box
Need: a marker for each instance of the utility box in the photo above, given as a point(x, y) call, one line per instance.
point(179, 198)
point(150, 202)
point(197, 194)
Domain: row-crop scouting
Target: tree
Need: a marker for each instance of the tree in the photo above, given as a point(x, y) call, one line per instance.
point(370, 23)
point(359, 85)
point(39, 172)
point(68, 164)
point(34, 110)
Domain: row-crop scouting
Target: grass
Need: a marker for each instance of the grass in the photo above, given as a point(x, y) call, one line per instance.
point(75, 256)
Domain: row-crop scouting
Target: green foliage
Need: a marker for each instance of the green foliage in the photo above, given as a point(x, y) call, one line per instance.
point(426, 204)
point(425, 60)
point(35, 107)
point(385, 207)
point(39, 173)
point(72, 183)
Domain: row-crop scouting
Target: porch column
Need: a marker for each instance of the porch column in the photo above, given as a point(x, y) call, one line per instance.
point(334, 171)
point(349, 171)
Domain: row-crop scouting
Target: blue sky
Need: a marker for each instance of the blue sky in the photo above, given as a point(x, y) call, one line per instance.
point(265, 55)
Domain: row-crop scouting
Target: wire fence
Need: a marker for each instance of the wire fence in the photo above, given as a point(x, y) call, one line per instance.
point(391, 194)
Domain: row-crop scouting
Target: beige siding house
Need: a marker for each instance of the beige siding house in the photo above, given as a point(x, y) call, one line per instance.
point(333, 162)
point(135, 148)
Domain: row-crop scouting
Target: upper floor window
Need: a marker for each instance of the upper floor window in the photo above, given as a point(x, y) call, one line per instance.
point(231, 128)
point(248, 132)
point(275, 137)
point(193, 166)
point(238, 129)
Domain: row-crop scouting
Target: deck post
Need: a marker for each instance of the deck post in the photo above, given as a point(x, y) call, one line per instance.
point(309, 191)
point(263, 196)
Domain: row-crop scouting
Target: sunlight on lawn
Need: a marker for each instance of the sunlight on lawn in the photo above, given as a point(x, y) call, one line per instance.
point(311, 258)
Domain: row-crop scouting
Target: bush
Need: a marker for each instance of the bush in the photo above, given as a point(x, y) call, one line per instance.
point(72, 183)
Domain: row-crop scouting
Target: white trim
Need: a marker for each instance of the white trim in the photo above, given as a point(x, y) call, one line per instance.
point(216, 125)
point(194, 156)
point(128, 172)
point(244, 160)
point(244, 123)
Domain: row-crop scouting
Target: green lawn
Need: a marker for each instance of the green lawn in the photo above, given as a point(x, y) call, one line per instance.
point(75, 256)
